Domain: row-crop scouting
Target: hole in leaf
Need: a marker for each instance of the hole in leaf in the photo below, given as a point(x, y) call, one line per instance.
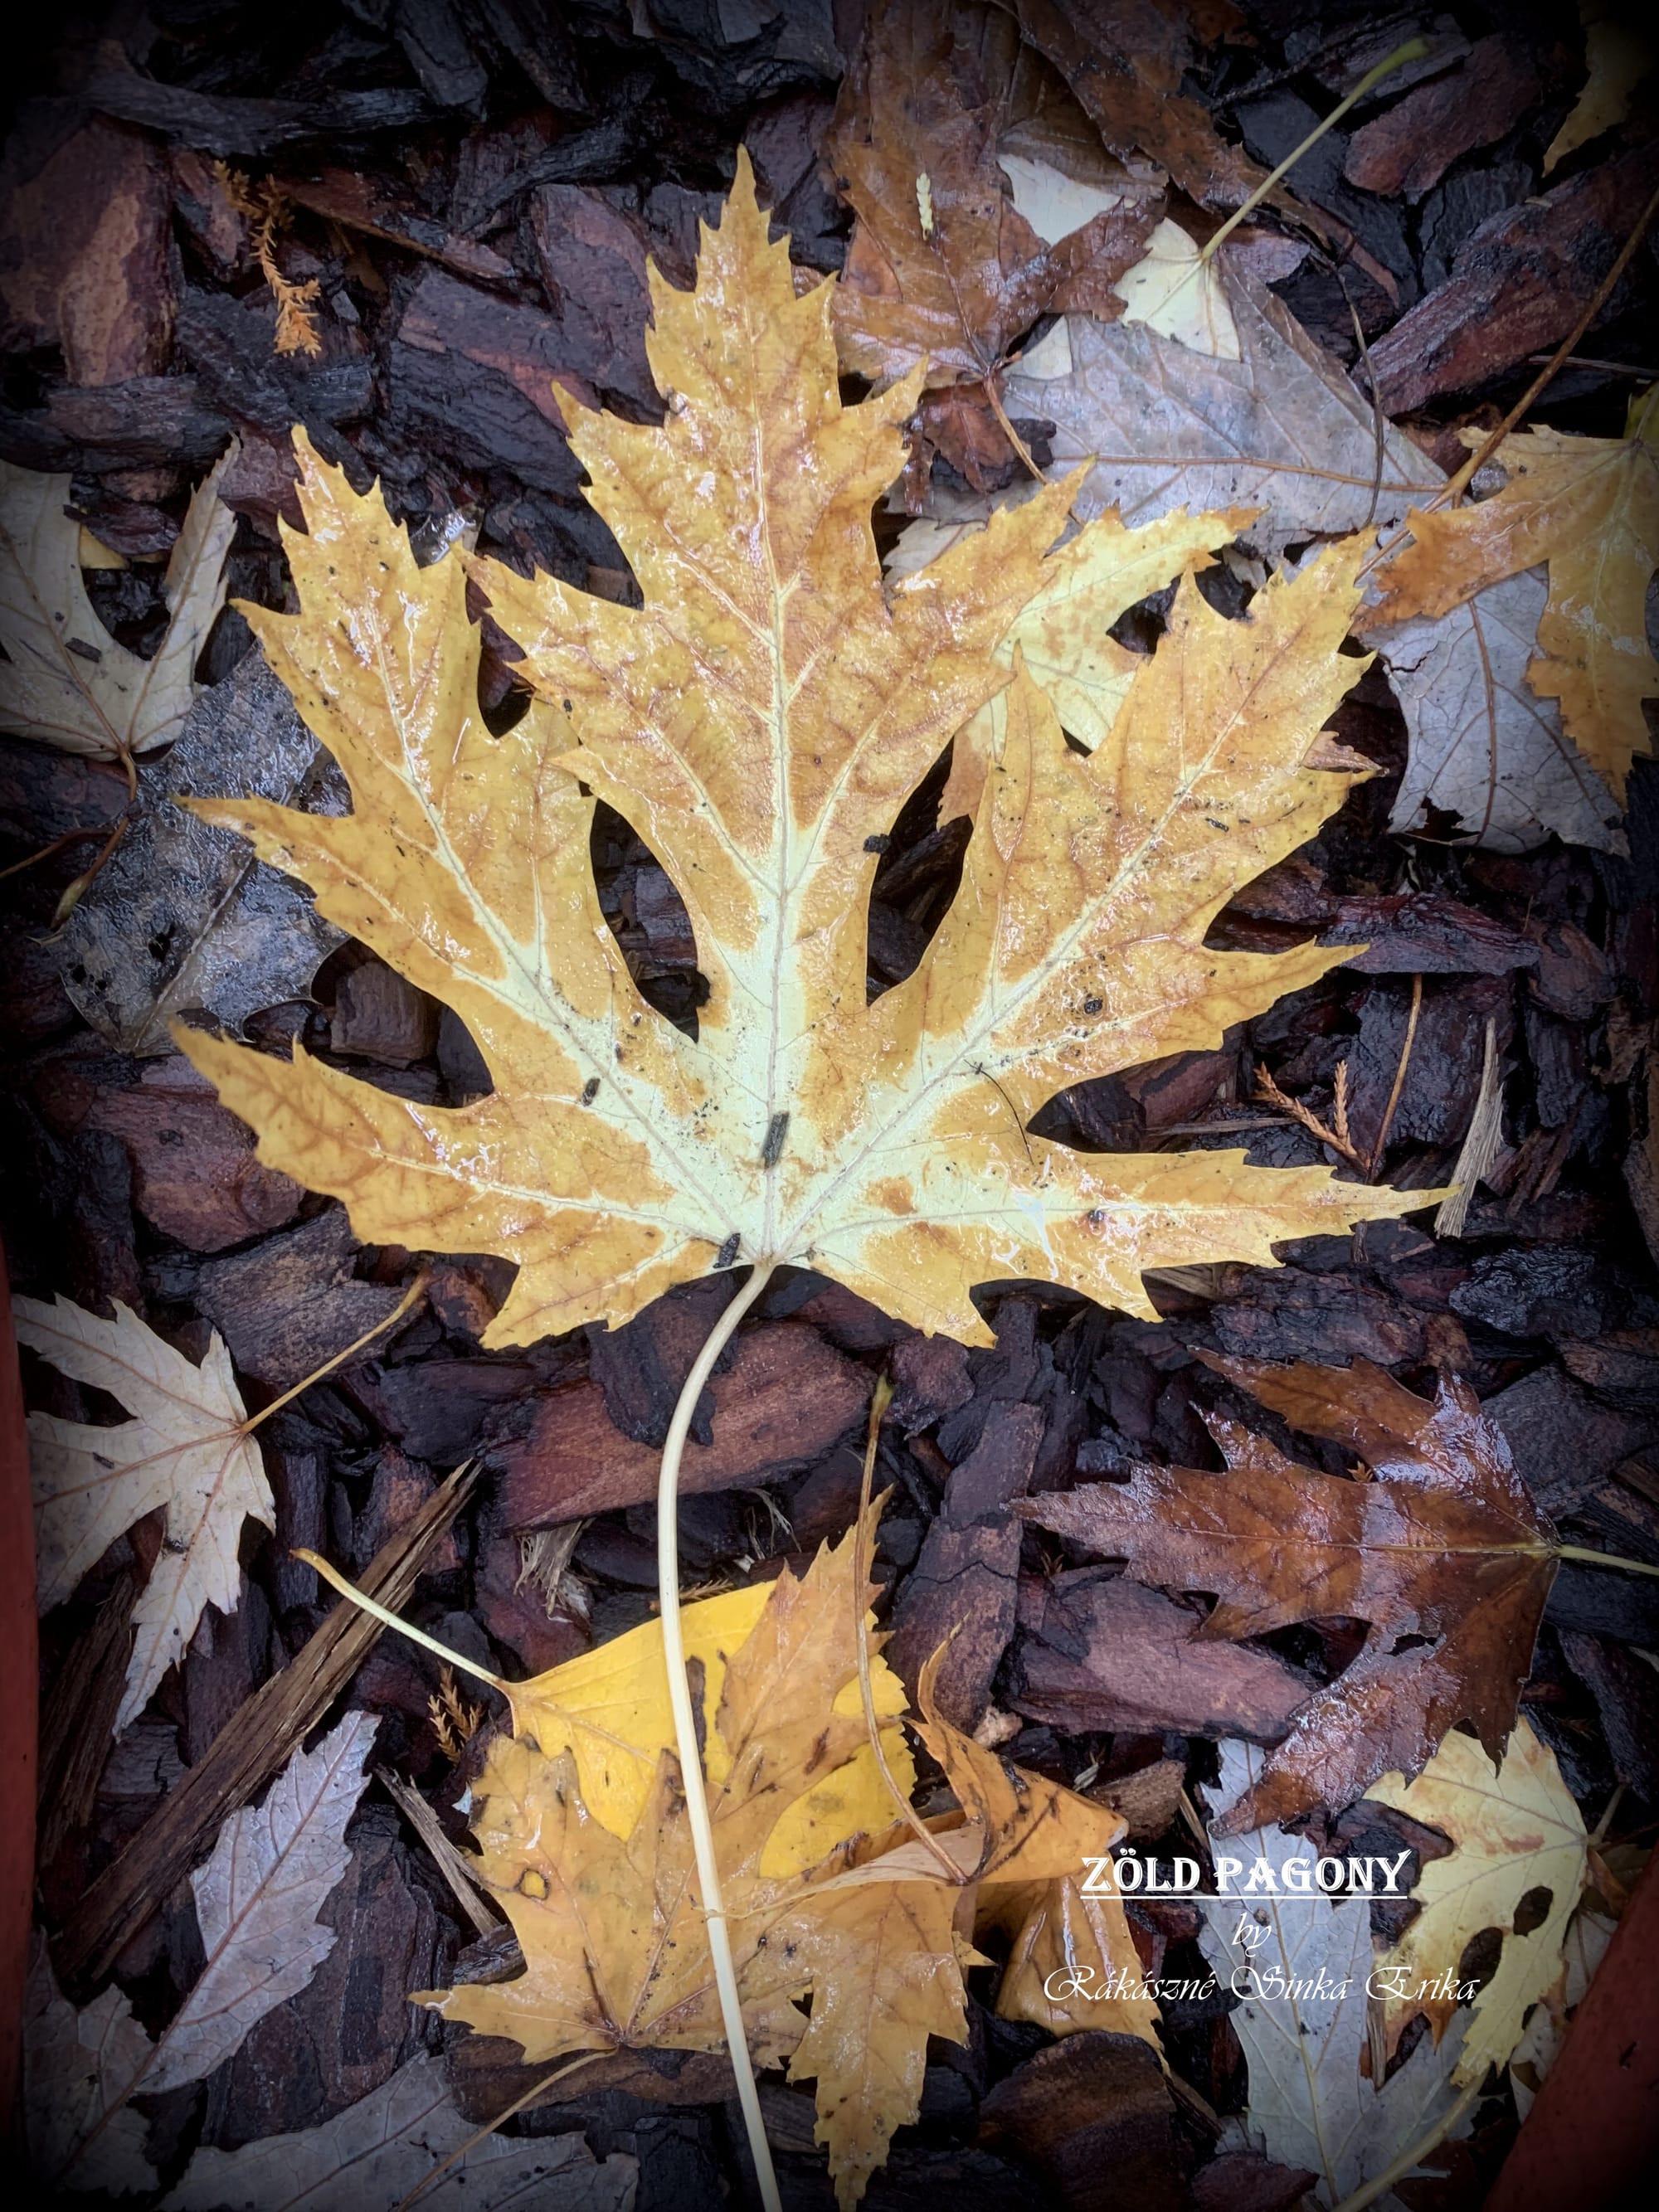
point(916, 878)
point(648, 919)
point(1534, 1910)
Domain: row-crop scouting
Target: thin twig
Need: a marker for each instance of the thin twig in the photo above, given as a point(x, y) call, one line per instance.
point(57, 845)
point(1379, 423)
point(1454, 485)
point(1392, 1108)
point(1008, 429)
point(1336, 1137)
point(445, 1857)
point(75, 892)
point(878, 1404)
point(545, 2081)
point(685, 1730)
point(1412, 51)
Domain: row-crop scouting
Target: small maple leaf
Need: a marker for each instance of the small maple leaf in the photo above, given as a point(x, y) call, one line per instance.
point(1588, 507)
point(185, 1447)
point(1444, 1546)
point(761, 720)
point(1515, 1834)
point(596, 1872)
point(65, 680)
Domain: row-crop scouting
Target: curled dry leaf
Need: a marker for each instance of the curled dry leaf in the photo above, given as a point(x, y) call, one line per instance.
point(257, 1900)
point(381, 2149)
point(1517, 1832)
point(184, 1449)
point(607, 1915)
point(1445, 1545)
point(1588, 507)
point(759, 721)
point(65, 680)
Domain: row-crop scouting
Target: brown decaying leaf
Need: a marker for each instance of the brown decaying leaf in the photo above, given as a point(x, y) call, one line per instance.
point(759, 721)
point(942, 271)
point(1124, 65)
point(1588, 507)
point(610, 1927)
point(1445, 1545)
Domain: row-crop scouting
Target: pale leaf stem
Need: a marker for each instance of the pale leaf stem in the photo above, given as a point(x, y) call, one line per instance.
point(1605, 1559)
point(387, 1619)
point(1412, 51)
point(1379, 2184)
point(685, 1729)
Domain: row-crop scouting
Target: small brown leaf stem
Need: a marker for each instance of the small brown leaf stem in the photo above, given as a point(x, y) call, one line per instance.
point(685, 1729)
point(1412, 51)
point(878, 1404)
point(416, 1292)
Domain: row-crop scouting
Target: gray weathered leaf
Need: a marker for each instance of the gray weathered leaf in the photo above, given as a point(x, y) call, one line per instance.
point(78, 2068)
point(256, 1901)
point(182, 1449)
point(183, 916)
point(65, 680)
point(370, 2156)
point(1302, 2018)
point(1484, 745)
point(1282, 427)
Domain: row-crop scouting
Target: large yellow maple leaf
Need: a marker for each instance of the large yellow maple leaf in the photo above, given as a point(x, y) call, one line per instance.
point(759, 721)
point(1588, 507)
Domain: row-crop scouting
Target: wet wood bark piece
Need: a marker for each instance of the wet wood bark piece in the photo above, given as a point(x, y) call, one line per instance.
point(288, 1304)
point(472, 375)
point(378, 1015)
point(83, 255)
point(252, 1746)
point(442, 1409)
point(385, 210)
point(1517, 288)
point(195, 1176)
point(1410, 146)
point(1102, 1652)
point(1094, 2115)
point(964, 1584)
point(1593, 2132)
point(788, 1398)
